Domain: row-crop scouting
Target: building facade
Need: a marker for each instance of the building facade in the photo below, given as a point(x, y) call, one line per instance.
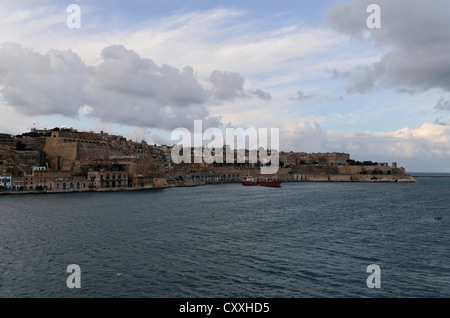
point(107, 179)
point(5, 182)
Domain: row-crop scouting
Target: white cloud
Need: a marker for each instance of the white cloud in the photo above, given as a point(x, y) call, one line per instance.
point(13, 123)
point(304, 136)
point(428, 142)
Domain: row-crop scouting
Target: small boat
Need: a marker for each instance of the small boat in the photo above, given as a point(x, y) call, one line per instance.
point(250, 181)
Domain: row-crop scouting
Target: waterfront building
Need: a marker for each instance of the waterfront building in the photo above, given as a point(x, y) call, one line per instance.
point(5, 182)
point(107, 179)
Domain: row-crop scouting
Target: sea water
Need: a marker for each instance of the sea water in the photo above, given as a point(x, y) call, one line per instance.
point(298, 241)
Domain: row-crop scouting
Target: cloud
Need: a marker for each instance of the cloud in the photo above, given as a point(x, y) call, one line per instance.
point(135, 91)
point(431, 141)
point(428, 141)
point(227, 86)
point(230, 85)
point(261, 94)
point(37, 84)
point(304, 135)
point(13, 123)
point(438, 121)
point(301, 96)
point(442, 104)
point(362, 78)
point(124, 71)
point(412, 36)
point(124, 88)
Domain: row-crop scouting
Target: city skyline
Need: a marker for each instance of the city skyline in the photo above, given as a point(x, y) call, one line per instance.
point(312, 69)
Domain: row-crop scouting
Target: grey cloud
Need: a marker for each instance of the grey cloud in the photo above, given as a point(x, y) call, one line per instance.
point(261, 94)
point(362, 79)
point(124, 71)
point(36, 84)
point(438, 121)
point(415, 36)
point(230, 85)
point(227, 86)
point(442, 104)
point(124, 88)
point(137, 92)
point(300, 95)
point(404, 23)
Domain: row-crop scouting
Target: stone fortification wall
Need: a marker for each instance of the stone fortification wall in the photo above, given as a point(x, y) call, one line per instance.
point(8, 143)
point(61, 154)
point(93, 151)
point(18, 162)
point(33, 143)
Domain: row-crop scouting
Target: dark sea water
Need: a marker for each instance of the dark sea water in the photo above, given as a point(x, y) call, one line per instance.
point(303, 240)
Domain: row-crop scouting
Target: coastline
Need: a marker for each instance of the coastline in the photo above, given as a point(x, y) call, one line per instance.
point(324, 179)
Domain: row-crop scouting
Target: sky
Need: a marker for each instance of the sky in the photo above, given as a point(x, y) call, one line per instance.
point(313, 69)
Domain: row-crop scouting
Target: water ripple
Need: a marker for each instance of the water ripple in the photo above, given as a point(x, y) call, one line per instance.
point(303, 240)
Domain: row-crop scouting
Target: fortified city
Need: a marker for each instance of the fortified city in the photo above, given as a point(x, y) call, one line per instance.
point(67, 160)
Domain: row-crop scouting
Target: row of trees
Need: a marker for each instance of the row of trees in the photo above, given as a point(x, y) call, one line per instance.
point(375, 172)
point(351, 162)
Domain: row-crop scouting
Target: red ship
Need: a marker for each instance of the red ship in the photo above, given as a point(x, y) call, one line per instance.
point(250, 181)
